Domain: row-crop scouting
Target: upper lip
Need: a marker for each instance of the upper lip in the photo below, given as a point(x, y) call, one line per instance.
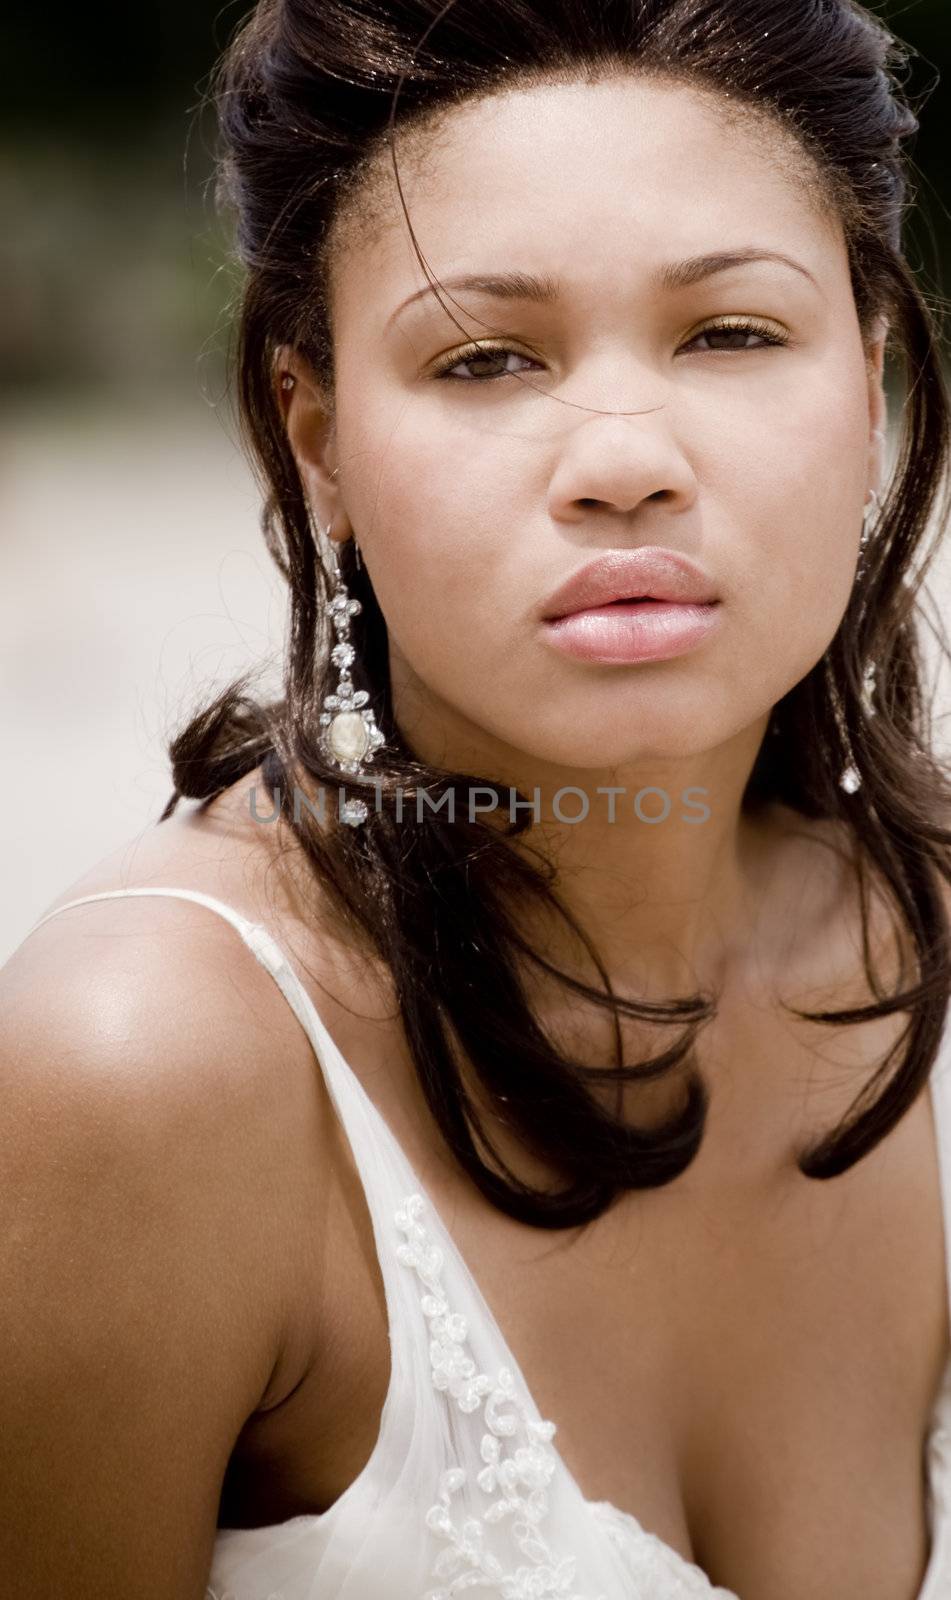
point(652, 573)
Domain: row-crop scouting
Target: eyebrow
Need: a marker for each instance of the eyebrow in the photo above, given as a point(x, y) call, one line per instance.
point(545, 289)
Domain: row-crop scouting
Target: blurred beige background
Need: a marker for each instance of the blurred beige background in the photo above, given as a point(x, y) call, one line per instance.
point(134, 581)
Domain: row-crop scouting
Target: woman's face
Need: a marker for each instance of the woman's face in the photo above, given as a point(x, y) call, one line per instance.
point(473, 498)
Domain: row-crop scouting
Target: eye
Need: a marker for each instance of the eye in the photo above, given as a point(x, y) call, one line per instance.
point(475, 353)
point(738, 330)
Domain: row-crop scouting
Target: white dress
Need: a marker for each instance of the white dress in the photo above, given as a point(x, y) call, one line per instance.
point(465, 1492)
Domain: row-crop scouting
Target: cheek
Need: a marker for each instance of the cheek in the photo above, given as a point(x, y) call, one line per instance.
point(437, 535)
point(794, 498)
point(438, 570)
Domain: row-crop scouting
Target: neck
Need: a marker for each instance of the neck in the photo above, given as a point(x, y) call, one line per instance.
point(664, 870)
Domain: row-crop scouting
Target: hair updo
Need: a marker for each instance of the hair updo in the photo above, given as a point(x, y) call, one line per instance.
point(313, 97)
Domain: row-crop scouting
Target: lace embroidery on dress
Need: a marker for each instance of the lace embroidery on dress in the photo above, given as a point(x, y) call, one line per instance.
point(654, 1566)
point(518, 1472)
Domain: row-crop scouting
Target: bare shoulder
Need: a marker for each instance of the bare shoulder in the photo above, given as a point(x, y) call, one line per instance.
point(152, 1014)
point(173, 971)
point(150, 1193)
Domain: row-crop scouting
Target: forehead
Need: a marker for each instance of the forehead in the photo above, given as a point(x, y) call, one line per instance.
point(590, 177)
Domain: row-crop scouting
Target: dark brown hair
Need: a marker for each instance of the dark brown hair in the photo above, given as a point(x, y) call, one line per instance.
point(310, 95)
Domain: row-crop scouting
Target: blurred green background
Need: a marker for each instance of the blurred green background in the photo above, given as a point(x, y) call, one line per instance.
point(133, 577)
point(112, 265)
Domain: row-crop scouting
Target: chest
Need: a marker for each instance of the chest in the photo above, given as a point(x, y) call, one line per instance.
point(746, 1360)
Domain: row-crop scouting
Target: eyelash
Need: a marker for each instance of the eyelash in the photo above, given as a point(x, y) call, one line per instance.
point(470, 352)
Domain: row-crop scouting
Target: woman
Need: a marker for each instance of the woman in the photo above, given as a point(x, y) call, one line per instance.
point(592, 1067)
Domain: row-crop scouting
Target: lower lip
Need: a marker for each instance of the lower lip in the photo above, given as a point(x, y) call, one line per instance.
point(635, 630)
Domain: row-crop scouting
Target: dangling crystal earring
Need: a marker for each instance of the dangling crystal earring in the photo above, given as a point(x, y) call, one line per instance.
point(851, 779)
point(350, 734)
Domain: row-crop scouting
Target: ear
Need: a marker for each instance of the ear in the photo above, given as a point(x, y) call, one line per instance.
point(877, 404)
point(311, 432)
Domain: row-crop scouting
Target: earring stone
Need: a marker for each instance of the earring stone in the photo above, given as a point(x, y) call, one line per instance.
point(851, 778)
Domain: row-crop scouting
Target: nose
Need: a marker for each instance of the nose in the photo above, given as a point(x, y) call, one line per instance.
point(618, 464)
